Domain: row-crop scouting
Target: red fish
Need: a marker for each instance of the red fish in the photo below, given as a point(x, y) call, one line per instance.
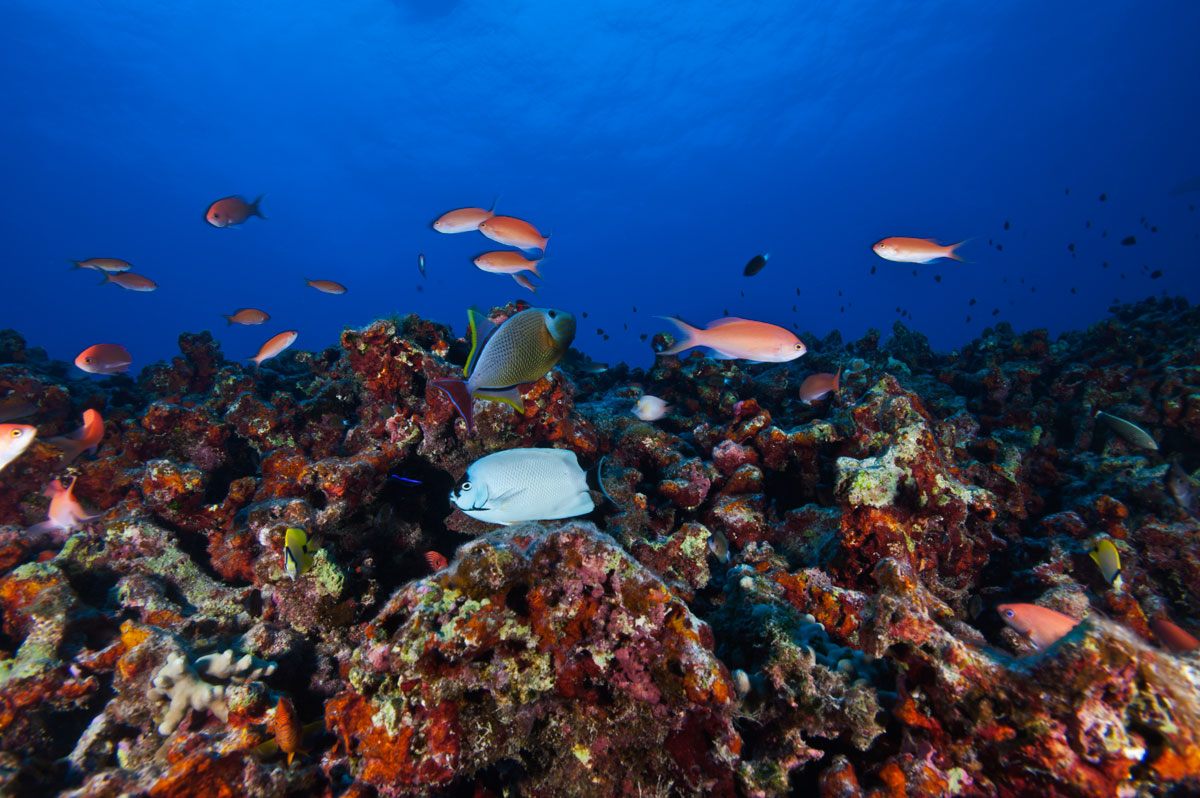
point(730, 338)
point(247, 316)
point(1042, 625)
point(65, 513)
point(288, 733)
point(14, 439)
point(326, 286)
point(1173, 637)
point(131, 282)
point(513, 232)
point(110, 265)
point(104, 359)
point(524, 282)
point(437, 561)
point(507, 262)
point(915, 250)
point(816, 386)
point(230, 211)
point(274, 346)
point(463, 220)
point(87, 437)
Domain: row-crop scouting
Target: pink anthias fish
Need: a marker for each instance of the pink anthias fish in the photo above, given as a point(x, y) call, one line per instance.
point(1041, 625)
point(1173, 637)
point(110, 265)
point(463, 220)
point(915, 250)
point(86, 438)
point(231, 211)
point(275, 345)
point(513, 232)
point(818, 386)
point(130, 281)
point(731, 338)
point(104, 359)
point(65, 514)
point(14, 439)
point(524, 282)
point(507, 262)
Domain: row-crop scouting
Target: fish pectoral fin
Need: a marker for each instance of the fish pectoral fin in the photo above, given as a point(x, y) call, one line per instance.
point(510, 396)
point(500, 501)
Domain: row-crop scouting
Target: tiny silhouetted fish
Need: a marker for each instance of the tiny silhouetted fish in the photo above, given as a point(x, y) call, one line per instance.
point(635, 308)
point(1154, 229)
point(937, 278)
point(643, 336)
point(1128, 241)
point(1006, 225)
point(1130, 432)
point(1071, 247)
point(968, 319)
point(599, 331)
point(996, 312)
point(1154, 275)
point(1072, 290)
point(1068, 190)
point(584, 314)
point(756, 264)
point(421, 263)
point(972, 302)
point(1000, 247)
point(743, 293)
point(606, 336)
point(1103, 197)
point(1105, 264)
point(872, 272)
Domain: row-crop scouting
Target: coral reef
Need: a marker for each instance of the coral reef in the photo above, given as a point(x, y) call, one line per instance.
point(774, 599)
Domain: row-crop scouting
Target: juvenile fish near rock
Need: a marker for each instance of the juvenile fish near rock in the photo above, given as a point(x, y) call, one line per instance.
point(274, 346)
point(1108, 560)
point(297, 556)
point(463, 220)
point(247, 316)
point(130, 281)
point(650, 408)
point(326, 286)
point(513, 232)
point(436, 561)
point(14, 439)
point(231, 211)
point(524, 485)
point(289, 735)
point(109, 265)
point(817, 386)
point(731, 338)
point(85, 438)
point(104, 359)
point(1041, 625)
point(65, 513)
point(507, 262)
point(915, 250)
point(1131, 433)
point(521, 350)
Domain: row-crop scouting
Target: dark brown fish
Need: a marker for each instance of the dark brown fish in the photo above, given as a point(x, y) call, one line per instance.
point(756, 264)
point(14, 407)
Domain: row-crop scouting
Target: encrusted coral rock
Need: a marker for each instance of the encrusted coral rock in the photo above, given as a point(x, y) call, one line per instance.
point(192, 686)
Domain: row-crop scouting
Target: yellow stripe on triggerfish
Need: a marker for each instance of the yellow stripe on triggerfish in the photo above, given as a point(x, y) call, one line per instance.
point(297, 557)
point(1107, 558)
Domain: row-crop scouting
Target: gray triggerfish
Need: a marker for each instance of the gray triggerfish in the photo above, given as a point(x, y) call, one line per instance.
point(524, 485)
point(521, 350)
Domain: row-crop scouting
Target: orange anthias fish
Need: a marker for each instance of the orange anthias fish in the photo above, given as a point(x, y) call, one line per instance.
point(524, 282)
point(507, 262)
point(14, 439)
point(915, 250)
point(816, 386)
point(731, 338)
point(109, 265)
point(231, 211)
point(274, 346)
point(247, 316)
point(85, 438)
point(104, 359)
point(463, 220)
point(1042, 625)
point(65, 513)
point(437, 561)
point(513, 232)
point(288, 733)
point(325, 286)
point(1173, 637)
point(131, 282)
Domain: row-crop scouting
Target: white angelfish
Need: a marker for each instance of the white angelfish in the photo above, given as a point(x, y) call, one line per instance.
point(524, 485)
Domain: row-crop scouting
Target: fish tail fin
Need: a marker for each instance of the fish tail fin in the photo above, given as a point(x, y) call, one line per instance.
point(600, 481)
point(690, 336)
point(533, 267)
point(254, 206)
point(228, 319)
point(108, 278)
point(495, 199)
point(954, 255)
point(460, 397)
point(70, 449)
point(78, 264)
point(510, 396)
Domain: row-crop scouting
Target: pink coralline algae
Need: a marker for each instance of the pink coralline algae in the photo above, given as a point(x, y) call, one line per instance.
point(770, 599)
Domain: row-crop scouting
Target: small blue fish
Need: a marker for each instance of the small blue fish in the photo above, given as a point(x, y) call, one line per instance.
point(406, 479)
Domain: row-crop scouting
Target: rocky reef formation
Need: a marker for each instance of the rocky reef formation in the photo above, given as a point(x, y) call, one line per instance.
point(777, 599)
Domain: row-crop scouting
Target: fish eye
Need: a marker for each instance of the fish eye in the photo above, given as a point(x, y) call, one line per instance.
point(17, 433)
point(799, 346)
point(553, 315)
point(1008, 613)
point(466, 486)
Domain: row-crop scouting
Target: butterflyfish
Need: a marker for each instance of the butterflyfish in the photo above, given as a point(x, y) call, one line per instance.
point(518, 485)
point(297, 556)
point(650, 408)
point(731, 338)
point(1108, 560)
point(503, 358)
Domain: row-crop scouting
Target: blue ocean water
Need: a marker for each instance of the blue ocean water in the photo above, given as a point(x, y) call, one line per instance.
point(662, 144)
